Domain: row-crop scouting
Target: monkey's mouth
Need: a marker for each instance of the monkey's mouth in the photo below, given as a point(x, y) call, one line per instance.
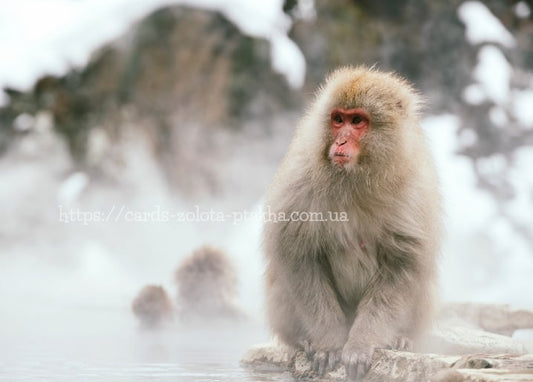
point(340, 158)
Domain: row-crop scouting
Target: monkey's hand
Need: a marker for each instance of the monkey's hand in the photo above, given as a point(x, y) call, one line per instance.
point(356, 358)
point(325, 361)
point(326, 353)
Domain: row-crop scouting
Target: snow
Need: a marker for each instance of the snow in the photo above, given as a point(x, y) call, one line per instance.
point(458, 179)
point(523, 107)
point(521, 178)
point(53, 36)
point(288, 60)
point(492, 165)
point(485, 259)
point(467, 137)
point(487, 254)
point(257, 19)
point(522, 10)
point(265, 20)
point(493, 72)
point(24, 122)
point(72, 187)
point(305, 10)
point(498, 116)
point(474, 94)
point(482, 26)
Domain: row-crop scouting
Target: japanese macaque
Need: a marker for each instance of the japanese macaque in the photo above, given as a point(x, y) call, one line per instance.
point(152, 307)
point(207, 286)
point(340, 288)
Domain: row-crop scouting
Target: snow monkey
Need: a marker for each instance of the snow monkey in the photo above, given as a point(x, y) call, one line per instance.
point(341, 287)
point(152, 307)
point(207, 287)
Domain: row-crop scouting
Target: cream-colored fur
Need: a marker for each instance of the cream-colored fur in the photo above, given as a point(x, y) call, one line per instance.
point(363, 283)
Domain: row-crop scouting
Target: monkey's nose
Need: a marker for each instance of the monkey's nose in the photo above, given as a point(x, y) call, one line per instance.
point(340, 143)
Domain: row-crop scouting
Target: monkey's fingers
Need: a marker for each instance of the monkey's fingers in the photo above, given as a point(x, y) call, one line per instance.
point(319, 362)
point(325, 361)
point(363, 365)
point(350, 364)
point(333, 359)
point(357, 363)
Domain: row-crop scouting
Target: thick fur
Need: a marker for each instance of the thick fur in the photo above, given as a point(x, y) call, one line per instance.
point(368, 282)
point(152, 306)
point(207, 286)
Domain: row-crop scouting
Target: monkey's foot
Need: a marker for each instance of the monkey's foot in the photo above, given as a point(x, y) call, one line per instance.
point(325, 361)
point(356, 360)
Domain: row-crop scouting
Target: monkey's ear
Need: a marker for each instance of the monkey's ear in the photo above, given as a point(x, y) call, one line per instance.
point(400, 105)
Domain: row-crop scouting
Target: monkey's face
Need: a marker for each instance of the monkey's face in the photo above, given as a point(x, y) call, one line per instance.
point(347, 126)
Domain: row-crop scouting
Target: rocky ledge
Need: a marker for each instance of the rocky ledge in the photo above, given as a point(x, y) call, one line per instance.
point(457, 350)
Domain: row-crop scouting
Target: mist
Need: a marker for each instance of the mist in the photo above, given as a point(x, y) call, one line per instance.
point(125, 147)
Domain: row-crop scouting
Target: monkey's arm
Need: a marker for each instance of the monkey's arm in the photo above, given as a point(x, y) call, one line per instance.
point(314, 303)
point(302, 303)
point(390, 300)
point(304, 311)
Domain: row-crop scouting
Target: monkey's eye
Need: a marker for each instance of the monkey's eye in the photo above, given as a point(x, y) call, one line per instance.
point(357, 120)
point(337, 118)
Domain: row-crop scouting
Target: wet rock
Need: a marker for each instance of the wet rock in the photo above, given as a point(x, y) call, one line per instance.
point(387, 365)
point(396, 366)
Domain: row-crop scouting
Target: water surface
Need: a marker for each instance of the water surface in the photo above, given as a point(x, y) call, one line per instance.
point(84, 344)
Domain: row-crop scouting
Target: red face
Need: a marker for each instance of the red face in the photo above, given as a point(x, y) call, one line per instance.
point(348, 127)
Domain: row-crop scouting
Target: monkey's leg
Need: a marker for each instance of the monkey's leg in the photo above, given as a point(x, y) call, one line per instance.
point(384, 311)
point(282, 316)
point(313, 305)
point(323, 318)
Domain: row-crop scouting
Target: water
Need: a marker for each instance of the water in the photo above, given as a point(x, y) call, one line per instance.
point(106, 345)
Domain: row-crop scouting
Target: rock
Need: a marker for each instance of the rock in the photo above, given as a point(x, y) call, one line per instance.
point(265, 357)
point(179, 79)
point(483, 375)
point(387, 365)
point(184, 78)
point(490, 361)
point(464, 340)
point(399, 366)
point(396, 366)
point(447, 375)
point(500, 319)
